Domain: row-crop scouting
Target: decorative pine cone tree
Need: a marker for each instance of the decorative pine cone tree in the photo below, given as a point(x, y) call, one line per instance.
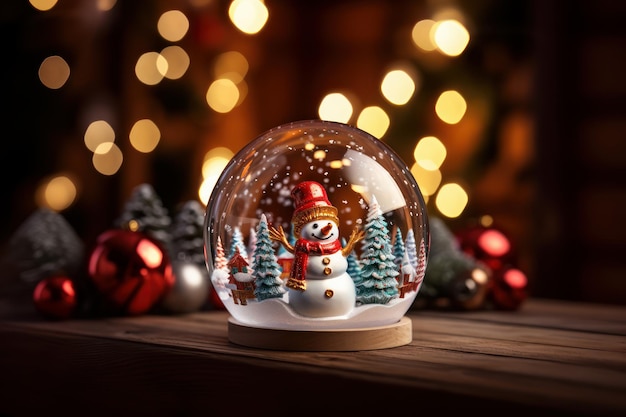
point(187, 237)
point(449, 272)
point(144, 212)
point(44, 245)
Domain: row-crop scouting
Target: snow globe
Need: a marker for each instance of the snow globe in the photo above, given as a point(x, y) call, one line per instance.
point(316, 238)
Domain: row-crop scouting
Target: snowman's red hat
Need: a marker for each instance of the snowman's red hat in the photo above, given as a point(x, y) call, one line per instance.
point(311, 203)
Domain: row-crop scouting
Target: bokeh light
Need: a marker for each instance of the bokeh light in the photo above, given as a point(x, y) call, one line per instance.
point(97, 133)
point(451, 107)
point(249, 16)
point(173, 25)
point(57, 193)
point(177, 61)
point(54, 72)
point(451, 200)
point(231, 65)
point(214, 163)
point(144, 135)
point(151, 67)
point(421, 35)
point(43, 5)
point(429, 153)
point(107, 158)
point(335, 107)
point(105, 5)
point(397, 87)
point(451, 37)
point(427, 179)
point(222, 95)
point(373, 120)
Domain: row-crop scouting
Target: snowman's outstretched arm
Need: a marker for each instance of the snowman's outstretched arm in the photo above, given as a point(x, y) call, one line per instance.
point(355, 237)
point(280, 236)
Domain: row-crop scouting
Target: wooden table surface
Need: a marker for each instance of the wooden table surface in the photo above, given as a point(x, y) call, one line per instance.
point(550, 357)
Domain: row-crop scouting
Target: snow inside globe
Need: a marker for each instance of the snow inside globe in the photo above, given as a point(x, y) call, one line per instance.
point(316, 225)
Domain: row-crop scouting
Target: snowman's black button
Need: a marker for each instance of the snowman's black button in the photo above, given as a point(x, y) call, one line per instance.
point(326, 260)
point(327, 271)
point(329, 293)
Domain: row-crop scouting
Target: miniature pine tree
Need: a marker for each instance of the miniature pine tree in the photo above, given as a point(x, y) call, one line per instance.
point(398, 248)
point(187, 233)
point(421, 263)
point(411, 249)
point(220, 256)
point(238, 243)
point(378, 270)
point(144, 212)
point(251, 245)
point(267, 272)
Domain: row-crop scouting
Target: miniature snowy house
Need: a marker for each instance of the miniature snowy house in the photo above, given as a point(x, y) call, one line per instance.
point(242, 288)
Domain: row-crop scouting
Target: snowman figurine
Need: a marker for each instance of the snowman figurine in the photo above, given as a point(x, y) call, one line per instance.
point(319, 285)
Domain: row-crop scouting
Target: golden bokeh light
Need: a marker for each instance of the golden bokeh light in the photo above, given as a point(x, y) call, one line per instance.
point(231, 65)
point(144, 135)
point(249, 16)
point(397, 87)
point(450, 107)
point(177, 61)
point(151, 67)
point(335, 107)
point(107, 158)
point(57, 193)
point(214, 163)
point(43, 5)
point(428, 180)
point(373, 120)
point(105, 5)
point(451, 200)
point(54, 72)
point(222, 95)
point(450, 37)
point(422, 35)
point(97, 133)
point(173, 25)
point(429, 153)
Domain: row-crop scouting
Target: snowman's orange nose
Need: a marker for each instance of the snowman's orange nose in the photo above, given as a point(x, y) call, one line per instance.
point(326, 229)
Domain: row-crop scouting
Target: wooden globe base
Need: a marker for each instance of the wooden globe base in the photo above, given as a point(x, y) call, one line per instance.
point(369, 338)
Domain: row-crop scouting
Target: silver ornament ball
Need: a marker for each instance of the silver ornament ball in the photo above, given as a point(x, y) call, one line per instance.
point(191, 288)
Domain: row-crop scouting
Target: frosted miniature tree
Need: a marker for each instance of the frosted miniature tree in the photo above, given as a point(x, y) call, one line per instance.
point(238, 243)
point(187, 233)
point(398, 248)
point(220, 256)
point(410, 248)
point(252, 244)
point(267, 271)
point(144, 212)
point(421, 263)
point(378, 269)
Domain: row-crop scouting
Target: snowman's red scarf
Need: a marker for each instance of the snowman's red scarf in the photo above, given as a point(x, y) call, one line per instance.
point(303, 249)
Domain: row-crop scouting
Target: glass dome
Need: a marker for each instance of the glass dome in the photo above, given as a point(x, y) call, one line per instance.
point(316, 225)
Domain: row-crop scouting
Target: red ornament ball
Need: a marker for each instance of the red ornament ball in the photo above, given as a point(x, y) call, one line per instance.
point(487, 244)
point(55, 297)
point(130, 270)
point(509, 288)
